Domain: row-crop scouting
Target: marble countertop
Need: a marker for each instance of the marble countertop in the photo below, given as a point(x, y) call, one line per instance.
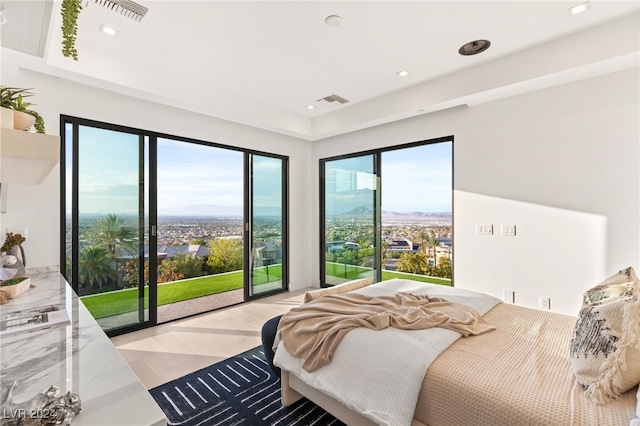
point(77, 357)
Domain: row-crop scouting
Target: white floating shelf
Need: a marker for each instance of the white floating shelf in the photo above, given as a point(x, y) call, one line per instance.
point(27, 158)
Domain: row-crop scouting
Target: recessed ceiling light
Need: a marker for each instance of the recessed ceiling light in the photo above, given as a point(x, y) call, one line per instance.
point(333, 20)
point(108, 30)
point(582, 7)
point(310, 107)
point(403, 73)
point(474, 47)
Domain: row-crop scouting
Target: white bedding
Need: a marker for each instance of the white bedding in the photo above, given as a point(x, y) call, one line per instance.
point(365, 374)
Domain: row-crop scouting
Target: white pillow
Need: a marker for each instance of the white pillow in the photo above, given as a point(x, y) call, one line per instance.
point(337, 289)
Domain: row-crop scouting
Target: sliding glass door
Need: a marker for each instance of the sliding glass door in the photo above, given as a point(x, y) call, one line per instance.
point(388, 214)
point(417, 227)
point(106, 223)
point(158, 228)
point(200, 228)
point(351, 217)
point(267, 224)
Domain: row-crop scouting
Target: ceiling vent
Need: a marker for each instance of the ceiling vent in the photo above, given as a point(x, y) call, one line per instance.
point(125, 8)
point(333, 99)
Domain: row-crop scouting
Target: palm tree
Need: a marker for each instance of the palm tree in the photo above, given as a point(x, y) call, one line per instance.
point(96, 265)
point(384, 248)
point(432, 242)
point(113, 232)
point(422, 238)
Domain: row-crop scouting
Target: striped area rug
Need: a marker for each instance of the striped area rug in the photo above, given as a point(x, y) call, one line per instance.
point(241, 390)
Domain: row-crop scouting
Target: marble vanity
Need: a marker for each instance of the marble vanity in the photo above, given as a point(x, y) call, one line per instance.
point(76, 357)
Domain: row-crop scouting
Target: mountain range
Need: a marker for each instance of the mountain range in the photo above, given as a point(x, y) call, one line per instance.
point(391, 216)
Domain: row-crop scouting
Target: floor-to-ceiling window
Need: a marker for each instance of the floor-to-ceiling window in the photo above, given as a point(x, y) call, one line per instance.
point(106, 221)
point(158, 227)
point(388, 214)
point(200, 228)
point(350, 215)
point(267, 225)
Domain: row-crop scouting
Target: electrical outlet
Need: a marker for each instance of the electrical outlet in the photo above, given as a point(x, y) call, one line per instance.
point(509, 230)
point(509, 296)
point(544, 303)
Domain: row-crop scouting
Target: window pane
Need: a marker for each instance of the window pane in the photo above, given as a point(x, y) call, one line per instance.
point(110, 237)
point(417, 213)
point(350, 210)
point(200, 228)
point(267, 225)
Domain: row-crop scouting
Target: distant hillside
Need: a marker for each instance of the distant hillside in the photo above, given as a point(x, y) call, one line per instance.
point(205, 210)
point(356, 212)
point(391, 216)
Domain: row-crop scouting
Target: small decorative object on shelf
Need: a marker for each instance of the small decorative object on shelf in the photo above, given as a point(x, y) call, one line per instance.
point(44, 409)
point(13, 98)
point(12, 240)
point(13, 246)
point(13, 287)
point(12, 282)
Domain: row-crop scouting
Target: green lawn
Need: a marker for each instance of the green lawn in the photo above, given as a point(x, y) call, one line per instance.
point(387, 275)
point(352, 272)
point(121, 301)
point(116, 302)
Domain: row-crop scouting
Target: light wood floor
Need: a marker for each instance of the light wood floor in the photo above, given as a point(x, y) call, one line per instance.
point(163, 353)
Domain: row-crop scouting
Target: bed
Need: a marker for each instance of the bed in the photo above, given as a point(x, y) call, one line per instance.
point(520, 373)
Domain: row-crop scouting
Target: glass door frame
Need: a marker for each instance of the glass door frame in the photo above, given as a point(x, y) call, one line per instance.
point(249, 226)
point(377, 213)
point(377, 154)
point(143, 196)
point(151, 198)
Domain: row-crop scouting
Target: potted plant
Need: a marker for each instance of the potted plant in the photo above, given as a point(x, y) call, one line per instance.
point(13, 246)
point(12, 286)
point(13, 98)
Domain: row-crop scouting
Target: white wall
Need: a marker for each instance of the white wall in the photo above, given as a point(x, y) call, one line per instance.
point(38, 207)
point(560, 163)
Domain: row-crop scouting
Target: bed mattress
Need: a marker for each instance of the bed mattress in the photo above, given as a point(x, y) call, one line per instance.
point(518, 374)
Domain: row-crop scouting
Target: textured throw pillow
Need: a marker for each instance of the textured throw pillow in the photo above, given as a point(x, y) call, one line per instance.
point(605, 346)
point(337, 289)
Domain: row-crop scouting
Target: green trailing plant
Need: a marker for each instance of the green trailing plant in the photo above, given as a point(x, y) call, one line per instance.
point(13, 98)
point(70, 11)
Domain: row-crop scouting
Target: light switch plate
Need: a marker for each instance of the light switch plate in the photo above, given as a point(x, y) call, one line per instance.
point(484, 229)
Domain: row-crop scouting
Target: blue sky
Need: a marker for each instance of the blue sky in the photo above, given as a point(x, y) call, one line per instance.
point(418, 179)
point(413, 180)
point(203, 180)
point(199, 179)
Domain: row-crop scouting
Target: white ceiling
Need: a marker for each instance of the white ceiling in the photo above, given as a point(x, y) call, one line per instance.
point(261, 63)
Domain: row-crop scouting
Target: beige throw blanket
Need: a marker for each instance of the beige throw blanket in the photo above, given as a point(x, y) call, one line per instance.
point(314, 330)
